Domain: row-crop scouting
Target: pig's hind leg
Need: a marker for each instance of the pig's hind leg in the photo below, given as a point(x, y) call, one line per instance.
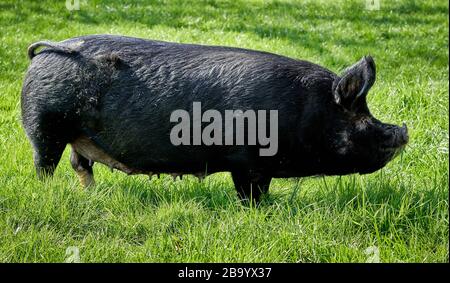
point(46, 157)
point(250, 186)
point(83, 168)
point(48, 146)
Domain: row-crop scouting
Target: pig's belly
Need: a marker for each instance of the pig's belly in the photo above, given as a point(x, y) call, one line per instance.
point(88, 149)
point(198, 162)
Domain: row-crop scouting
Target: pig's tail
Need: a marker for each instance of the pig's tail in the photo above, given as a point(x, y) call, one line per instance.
point(52, 45)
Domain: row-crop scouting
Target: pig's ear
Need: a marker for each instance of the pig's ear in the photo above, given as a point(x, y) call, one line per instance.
point(355, 83)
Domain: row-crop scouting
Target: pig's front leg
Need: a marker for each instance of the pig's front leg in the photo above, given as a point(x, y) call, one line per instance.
point(250, 185)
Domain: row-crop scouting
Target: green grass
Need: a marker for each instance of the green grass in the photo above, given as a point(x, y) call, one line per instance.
point(402, 209)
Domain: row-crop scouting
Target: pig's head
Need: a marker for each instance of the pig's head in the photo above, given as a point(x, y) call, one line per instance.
point(357, 141)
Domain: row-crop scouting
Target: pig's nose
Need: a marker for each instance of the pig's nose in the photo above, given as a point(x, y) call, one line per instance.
point(403, 135)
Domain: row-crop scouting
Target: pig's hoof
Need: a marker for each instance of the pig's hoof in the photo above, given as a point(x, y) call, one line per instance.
point(86, 179)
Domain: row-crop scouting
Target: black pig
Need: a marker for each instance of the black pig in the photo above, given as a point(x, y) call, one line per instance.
point(111, 98)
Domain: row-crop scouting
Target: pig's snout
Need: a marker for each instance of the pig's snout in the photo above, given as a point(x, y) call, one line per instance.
point(402, 137)
point(396, 137)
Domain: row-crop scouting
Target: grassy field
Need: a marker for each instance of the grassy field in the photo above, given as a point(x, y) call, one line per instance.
point(398, 214)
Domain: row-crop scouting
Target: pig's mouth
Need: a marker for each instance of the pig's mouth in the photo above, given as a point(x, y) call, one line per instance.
point(392, 152)
point(382, 157)
point(388, 151)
